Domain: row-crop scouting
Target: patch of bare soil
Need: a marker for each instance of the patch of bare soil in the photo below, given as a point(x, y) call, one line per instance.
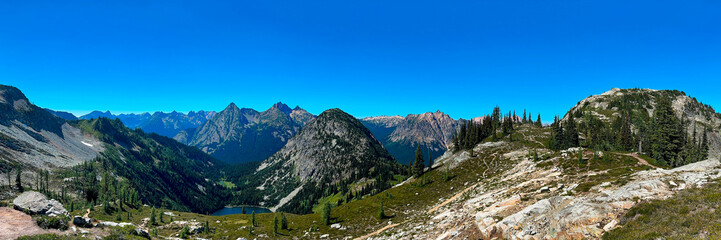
point(14, 224)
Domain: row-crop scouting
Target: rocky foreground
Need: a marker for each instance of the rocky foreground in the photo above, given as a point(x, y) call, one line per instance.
point(538, 200)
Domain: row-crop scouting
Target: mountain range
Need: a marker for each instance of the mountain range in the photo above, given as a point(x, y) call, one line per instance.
point(401, 135)
point(237, 135)
point(166, 124)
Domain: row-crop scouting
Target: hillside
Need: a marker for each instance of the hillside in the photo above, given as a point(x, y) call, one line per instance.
point(237, 135)
point(162, 171)
point(401, 135)
point(331, 153)
point(599, 117)
point(165, 173)
point(33, 138)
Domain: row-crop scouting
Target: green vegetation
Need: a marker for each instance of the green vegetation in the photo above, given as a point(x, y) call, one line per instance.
point(148, 168)
point(689, 214)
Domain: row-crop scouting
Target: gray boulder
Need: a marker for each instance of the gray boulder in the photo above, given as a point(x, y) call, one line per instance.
point(83, 222)
point(37, 203)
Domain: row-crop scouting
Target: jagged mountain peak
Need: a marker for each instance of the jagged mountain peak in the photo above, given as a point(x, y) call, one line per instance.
point(282, 107)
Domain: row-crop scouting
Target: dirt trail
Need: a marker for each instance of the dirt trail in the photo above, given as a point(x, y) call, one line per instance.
point(14, 224)
point(451, 199)
point(640, 160)
point(377, 231)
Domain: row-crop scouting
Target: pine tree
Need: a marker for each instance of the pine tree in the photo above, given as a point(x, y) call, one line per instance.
point(496, 117)
point(667, 140)
point(207, 226)
point(252, 219)
point(538, 121)
point(242, 210)
point(524, 116)
point(18, 181)
point(161, 217)
point(418, 165)
point(152, 217)
point(283, 221)
point(625, 136)
point(325, 214)
point(571, 132)
point(704, 146)
point(275, 225)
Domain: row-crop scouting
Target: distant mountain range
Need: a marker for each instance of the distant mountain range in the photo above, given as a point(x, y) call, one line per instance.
point(166, 124)
point(401, 135)
point(237, 135)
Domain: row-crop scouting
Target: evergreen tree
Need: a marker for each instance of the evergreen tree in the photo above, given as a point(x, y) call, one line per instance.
point(418, 165)
point(252, 219)
point(207, 226)
point(625, 136)
point(283, 221)
point(704, 145)
point(524, 116)
point(571, 132)
point(496, 117)
point(666, 129)
point(325, 214)
point(18, 181)
point(161, 217)
point(275, 225)
point(152, 217)
point(538, 121)
point(242, 210)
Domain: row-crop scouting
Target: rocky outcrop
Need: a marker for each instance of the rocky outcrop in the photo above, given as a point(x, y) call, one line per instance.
point(83, 222)
point(36, 203)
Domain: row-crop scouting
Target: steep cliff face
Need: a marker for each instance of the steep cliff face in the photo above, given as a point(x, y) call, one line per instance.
point(333, 148)
point(401, 135)
point(237, 135)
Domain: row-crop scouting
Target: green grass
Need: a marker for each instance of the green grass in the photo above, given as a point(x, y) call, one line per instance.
point(690, 214)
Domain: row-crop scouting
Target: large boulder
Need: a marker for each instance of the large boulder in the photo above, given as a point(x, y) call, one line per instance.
point(37, 203)
point(83, 222)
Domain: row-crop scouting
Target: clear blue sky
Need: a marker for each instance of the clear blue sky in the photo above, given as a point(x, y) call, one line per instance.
point(365, 57)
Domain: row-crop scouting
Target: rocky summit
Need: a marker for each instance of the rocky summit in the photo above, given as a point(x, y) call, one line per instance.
point(333, 148)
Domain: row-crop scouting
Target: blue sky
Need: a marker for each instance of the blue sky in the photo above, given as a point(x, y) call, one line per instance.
point(365, 57)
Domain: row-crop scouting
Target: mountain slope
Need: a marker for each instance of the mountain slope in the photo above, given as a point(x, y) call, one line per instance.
point(33, 137)
point(237, 135)
point(164, 172)
point(401, 135)
point(61, 114)
point(335, 149)
point(639, 105)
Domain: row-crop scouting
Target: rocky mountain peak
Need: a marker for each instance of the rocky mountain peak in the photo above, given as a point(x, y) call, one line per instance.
point(231, 107)
point(333, 147)
point(282, 107)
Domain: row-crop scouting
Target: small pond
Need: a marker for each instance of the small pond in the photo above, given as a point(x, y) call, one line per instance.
point(239, 210)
